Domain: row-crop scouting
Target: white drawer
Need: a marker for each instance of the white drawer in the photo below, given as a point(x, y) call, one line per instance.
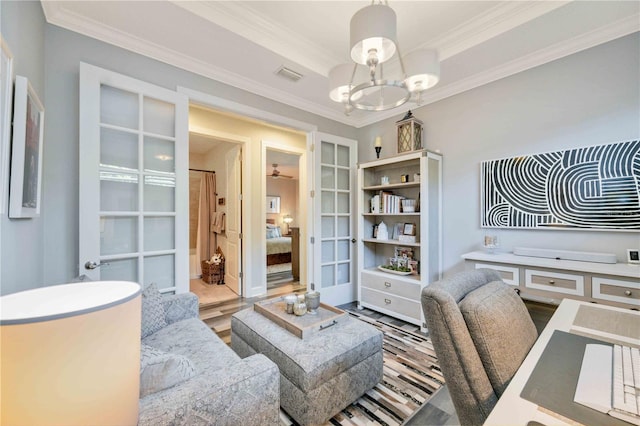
point(391, 302)
point(391, 285)
point(616, 290)
point(554, 281)
point(509, 274)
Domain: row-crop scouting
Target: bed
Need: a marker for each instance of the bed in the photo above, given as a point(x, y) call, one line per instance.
point(283, 249)
point(278, 246)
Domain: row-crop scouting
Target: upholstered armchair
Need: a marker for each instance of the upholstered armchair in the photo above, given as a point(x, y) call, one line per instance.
point(481, 331)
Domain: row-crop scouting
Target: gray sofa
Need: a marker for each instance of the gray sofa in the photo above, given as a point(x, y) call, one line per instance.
point(214, 385)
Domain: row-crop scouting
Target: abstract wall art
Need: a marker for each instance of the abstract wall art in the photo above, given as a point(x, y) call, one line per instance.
point(591, 188)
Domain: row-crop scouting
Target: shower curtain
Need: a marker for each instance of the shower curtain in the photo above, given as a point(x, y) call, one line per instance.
point(206, 242)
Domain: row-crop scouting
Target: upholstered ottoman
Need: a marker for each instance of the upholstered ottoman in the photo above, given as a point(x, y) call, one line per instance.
point(321, 375)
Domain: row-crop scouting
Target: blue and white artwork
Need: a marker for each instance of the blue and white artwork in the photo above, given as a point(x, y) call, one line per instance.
point(596, 187)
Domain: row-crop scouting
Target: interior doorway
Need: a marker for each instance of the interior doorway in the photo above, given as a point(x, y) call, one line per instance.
point(219, 278)
point(283, 216)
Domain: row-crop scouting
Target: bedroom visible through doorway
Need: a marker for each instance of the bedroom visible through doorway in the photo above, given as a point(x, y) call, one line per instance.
point(283, 217)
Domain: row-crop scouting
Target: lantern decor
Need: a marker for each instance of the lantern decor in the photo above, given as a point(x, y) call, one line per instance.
point(409, 134)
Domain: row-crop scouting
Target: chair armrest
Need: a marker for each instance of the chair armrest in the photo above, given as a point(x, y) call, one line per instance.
point(178, 307)
point(246, 392)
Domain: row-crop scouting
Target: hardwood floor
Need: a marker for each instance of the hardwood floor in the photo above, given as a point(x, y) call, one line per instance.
point(218, 303)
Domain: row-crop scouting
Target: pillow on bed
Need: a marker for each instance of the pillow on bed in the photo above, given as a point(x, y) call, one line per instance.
point(273, 231)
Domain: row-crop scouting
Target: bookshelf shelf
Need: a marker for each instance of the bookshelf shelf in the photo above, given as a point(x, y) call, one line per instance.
point(391, 294)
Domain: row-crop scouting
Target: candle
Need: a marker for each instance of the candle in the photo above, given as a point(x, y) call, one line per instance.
point(378, 141)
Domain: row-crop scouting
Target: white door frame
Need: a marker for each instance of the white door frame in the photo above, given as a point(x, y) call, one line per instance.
point(221, 104)
point(303, 206)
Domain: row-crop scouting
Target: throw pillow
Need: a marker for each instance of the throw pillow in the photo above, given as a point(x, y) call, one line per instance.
point(161, 370)
point(152, 311)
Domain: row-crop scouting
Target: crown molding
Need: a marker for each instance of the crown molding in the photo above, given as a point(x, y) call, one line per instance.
point(612, 31)
point(57, 15)
point(252, 25)
point(493, 22)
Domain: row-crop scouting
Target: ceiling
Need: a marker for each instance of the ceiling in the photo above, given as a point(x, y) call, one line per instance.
point(244, 43)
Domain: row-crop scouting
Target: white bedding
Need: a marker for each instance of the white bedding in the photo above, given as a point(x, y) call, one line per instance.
point(278, 245)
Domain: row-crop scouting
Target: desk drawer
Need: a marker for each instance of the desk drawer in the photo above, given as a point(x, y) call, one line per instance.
point(554, 282)
point(509, 274)
point(392, 303)
point(391, 285)
point(616, 290)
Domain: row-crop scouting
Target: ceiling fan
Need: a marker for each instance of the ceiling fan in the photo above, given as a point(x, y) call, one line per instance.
point(275, 174)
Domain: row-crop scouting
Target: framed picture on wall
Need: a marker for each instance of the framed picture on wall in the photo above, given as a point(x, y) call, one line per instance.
point(273, 204)
point(6, 92)
point(26, 156)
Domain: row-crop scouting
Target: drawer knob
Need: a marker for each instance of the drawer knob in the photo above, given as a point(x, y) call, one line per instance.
point(387, 301)
point(387, 284)
point(552, 282)
point(627, 292)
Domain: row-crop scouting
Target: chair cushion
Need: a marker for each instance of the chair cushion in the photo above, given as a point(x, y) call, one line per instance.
point(161, 370)
point(152, 311)
point(501, 329)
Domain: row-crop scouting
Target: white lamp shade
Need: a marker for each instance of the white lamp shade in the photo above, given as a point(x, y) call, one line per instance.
point(423, 69)
point(70, 355)
point(340, 81)
point(373, 27)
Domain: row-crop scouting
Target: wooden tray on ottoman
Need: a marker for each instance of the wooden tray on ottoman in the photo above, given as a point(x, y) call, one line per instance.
point(303, 326)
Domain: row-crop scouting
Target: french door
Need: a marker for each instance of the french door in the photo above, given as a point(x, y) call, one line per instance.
point(334, 219)
point(133, 181)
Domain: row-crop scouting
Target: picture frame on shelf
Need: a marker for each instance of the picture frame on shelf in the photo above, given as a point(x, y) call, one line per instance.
point(6, 96)
point(403, 252)
point(409, 229)
point(26, 154)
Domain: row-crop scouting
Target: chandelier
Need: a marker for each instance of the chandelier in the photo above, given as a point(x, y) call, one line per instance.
point(363, 84)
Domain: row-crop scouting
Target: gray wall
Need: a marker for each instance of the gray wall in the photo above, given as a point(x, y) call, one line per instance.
point(589, 98)
point(22, 25)
point(64, 51)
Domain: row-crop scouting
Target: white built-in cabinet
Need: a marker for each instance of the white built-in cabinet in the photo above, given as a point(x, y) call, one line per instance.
point(416, 176)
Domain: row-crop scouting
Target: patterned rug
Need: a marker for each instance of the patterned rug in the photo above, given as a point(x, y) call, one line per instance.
point(411, 375)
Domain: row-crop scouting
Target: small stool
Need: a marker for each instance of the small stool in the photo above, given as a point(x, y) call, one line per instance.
point(321, 375)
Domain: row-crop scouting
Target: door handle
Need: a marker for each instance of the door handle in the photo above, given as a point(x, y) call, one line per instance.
point(93, 265)
point(353, 240)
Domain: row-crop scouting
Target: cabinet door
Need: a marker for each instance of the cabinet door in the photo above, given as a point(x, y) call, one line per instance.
point(334, 219)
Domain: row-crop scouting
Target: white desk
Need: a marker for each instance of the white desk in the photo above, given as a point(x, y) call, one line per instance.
point(514, 410)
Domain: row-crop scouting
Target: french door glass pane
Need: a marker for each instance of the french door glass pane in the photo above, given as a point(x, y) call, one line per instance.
point(343, 273)
point(328, 228)
point(118, 191)
point(159, 193)
point(328, 276)
point(159, 233)
point(343, 156)
point(343, 250)
point(343, 179)
point(328, 251)
point(328, 177)
point(118, 107)
point(328, 202)
point(343, 202)
point(344, 224)
point(327, 155)
point(120, 270)
point(118, 149)
point(118, 235)
point(159, 155)
point(160, 270)
point(159, 117)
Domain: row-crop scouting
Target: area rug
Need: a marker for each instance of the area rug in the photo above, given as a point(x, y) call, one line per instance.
point(411, 376)
point(278, 275)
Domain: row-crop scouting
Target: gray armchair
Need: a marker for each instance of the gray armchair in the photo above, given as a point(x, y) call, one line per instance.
point(481, 331)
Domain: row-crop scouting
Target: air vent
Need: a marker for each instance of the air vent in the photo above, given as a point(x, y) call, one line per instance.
point(289, 74)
